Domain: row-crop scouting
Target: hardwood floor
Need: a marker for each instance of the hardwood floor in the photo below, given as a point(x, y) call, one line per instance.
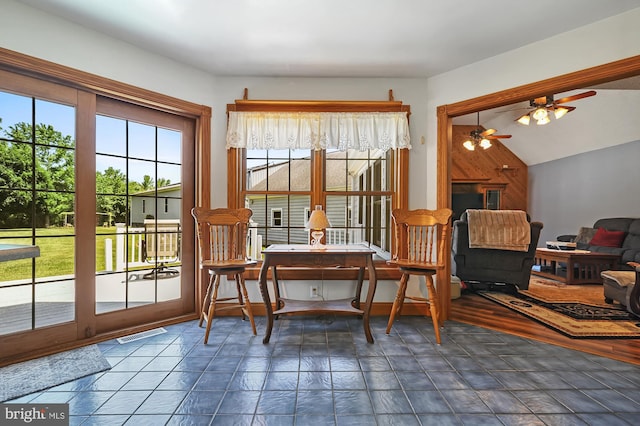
point(473, 309)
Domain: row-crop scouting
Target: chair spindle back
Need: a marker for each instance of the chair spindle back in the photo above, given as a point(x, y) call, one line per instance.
point(420, 235)
point(222, 233)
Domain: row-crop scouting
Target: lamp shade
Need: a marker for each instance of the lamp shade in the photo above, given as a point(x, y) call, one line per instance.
point(318, 219)
point(560, 112)
point(485, 143)
point(543, 121)
point(524, 119)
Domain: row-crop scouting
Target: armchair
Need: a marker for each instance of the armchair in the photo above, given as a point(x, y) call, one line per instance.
point(493, 266)
point(624, 287)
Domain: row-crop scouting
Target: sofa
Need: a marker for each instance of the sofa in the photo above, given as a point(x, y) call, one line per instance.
point(625, 242)
point(491, 265)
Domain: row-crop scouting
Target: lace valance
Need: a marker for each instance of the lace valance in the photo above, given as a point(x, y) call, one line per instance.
point(323, 130)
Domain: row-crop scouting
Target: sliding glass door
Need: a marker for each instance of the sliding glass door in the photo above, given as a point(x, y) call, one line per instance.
point(104, 189)
point(144, 192)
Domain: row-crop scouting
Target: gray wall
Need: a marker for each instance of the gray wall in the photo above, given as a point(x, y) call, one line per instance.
point(575, 191)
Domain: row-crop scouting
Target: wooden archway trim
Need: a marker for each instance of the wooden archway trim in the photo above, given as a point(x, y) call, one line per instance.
point(611, 71)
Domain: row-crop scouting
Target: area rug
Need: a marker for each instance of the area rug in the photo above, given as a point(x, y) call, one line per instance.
point(572, 318)
point(42, 373)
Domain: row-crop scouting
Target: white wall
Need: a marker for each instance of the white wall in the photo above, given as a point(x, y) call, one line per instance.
point(36, 33)
point(576, 191)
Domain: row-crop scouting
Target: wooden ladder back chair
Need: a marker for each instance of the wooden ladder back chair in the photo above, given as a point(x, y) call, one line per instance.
point(222, 242)
point(419, 244)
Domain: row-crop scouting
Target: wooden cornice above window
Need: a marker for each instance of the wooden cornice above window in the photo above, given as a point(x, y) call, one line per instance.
point(318, 106)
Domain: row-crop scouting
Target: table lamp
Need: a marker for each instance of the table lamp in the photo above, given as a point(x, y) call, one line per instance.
point(317, 223)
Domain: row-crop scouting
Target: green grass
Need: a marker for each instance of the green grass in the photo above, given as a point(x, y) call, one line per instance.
point(57, 252)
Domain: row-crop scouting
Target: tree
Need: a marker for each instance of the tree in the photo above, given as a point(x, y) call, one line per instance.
point(52, 173)
point(163, 182)
point(111, 189)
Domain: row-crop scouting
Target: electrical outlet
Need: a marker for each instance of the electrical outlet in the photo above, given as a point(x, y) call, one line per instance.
point(313, 291)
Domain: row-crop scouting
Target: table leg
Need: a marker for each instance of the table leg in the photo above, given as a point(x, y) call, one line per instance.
point(265, 297)
point(276, 288)
point(356, 300)
point(370, 293)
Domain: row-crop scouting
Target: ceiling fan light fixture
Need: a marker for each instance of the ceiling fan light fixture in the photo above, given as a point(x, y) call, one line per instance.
point(469, 145)
point(542, 121)
point(540, 113)
point(560, 112)
point(524, 120)
point(485, 143)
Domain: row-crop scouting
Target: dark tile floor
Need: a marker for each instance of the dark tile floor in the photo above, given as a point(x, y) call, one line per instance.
point(321, 371)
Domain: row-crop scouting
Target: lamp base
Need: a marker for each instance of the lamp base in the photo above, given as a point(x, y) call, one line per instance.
point(316, 238)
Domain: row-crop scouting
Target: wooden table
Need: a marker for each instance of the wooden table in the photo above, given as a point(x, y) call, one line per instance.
point(18, 251)
point(300, 255)
point(581, 266)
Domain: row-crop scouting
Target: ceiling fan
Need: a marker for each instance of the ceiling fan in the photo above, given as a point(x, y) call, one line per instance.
point(482, 138)
point(543, 106)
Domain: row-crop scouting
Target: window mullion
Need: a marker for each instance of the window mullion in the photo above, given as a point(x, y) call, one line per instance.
point(318, 170)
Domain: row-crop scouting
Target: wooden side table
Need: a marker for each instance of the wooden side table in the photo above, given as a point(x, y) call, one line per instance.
point(301, 255)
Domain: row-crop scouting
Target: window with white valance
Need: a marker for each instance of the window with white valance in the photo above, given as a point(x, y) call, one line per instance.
point(350, 157)
point(359, 131)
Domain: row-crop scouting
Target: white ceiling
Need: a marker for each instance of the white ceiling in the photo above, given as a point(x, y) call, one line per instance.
point(327, 38)
point(363, 38)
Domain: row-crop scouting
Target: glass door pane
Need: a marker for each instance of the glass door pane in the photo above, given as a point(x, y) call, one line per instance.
point(139, 204)
point(37, 189)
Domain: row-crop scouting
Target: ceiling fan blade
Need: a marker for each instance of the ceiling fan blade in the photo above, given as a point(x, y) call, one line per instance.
point(575, 97)
point(499, 137)
point(488, 132)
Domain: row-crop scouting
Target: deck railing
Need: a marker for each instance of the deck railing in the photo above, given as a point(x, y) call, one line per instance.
point(133, 255)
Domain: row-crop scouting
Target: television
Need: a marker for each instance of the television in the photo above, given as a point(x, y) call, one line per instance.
point(463, 201)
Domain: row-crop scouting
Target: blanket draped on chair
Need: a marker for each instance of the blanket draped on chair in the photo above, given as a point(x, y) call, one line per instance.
point(499, 229)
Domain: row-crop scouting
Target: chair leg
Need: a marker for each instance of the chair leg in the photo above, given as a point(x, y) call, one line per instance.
point(433, 306)
point(212, 308)
point(237, 277)
point(398, 302)
point(205, 301)
point(247, 303)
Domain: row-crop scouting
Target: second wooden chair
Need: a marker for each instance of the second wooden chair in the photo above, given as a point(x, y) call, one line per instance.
point(419, 249)
point(222, 242)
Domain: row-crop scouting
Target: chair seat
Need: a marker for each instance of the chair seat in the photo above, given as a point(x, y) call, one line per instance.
point(413, 266)
point(227, 264)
